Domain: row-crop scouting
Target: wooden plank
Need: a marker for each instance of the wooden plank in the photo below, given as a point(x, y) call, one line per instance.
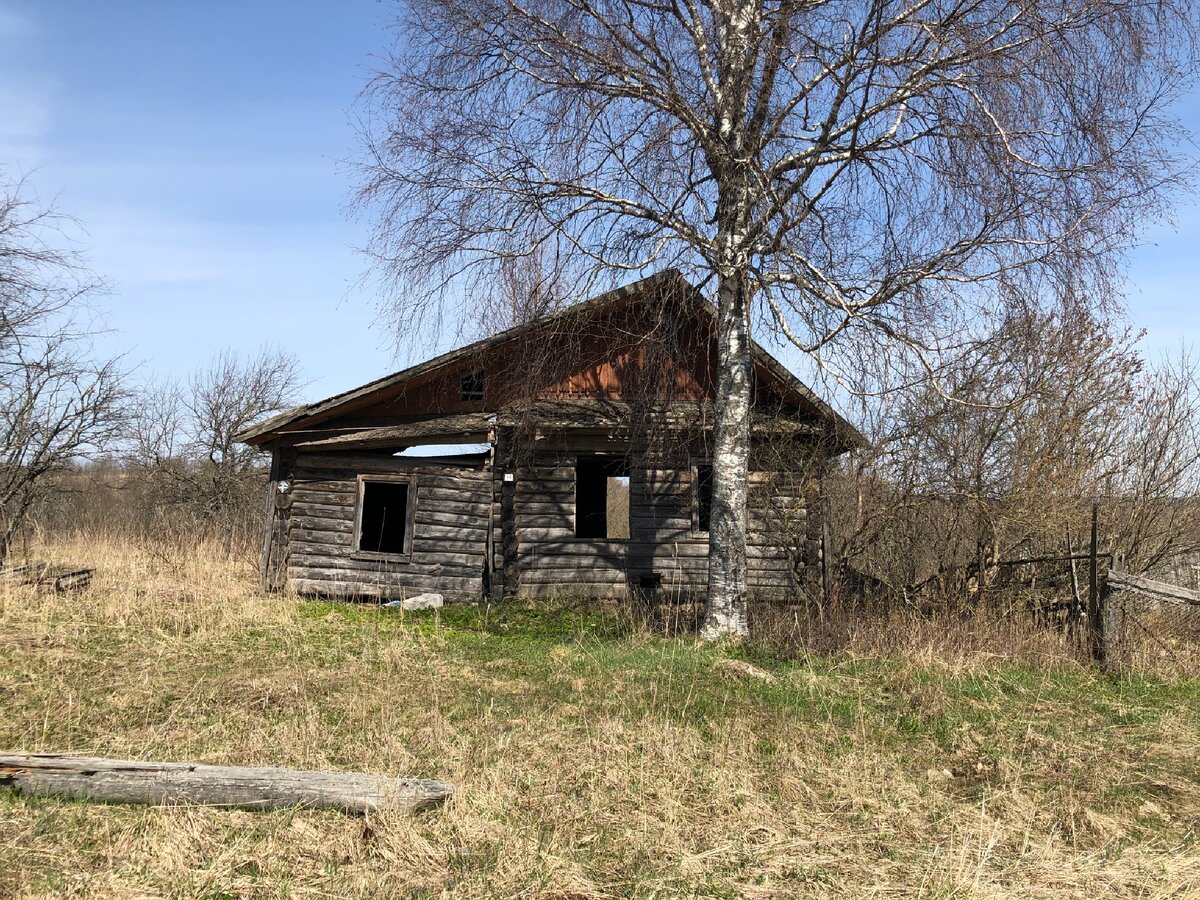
point(427, 532)
point(547, 471)
point(463, 504)
point(1159, 590)
point(306, 509)
point(364, 462)
point(528, 506)
point(528, 535)
point(422, 563)
point(329, 493)
point(431, 514)
point(312, 565)
point(454, 587)
point(301, 537)
point(545, 492)
point(136, 781)
point(545, 520)
point(437, 580)
point(472, 561)
point(322, 523)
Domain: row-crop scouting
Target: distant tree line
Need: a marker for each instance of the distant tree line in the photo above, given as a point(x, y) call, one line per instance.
point(83, 443)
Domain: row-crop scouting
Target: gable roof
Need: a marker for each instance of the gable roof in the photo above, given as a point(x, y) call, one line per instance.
point(300, 417)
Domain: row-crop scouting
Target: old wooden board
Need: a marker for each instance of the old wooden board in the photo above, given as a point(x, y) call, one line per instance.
point(134, 781)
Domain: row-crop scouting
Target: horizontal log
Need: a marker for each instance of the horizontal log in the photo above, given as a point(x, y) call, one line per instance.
point(300, 521)
point(1159, 590)
point(546, 520)
point(459, 504)
point(426, 556)
point(543, 492)
point(551, 472)
point(453, 587)
point(342, 584)
point(366, 462)
point(134, 781)
point(429, 514)
point(311, 566)
point(390, 585)
point(298, 535)
point(543, 535)
point(346, 489)
point(527, 505)
point(307, 509)
point(423, 555)
point(323, 500)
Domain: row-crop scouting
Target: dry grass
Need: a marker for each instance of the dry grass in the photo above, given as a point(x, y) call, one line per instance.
point(590, 761)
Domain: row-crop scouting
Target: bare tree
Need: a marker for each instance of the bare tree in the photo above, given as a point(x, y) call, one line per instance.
point(525, 288)
point(184, 435)
point(842, 171)
point(56, 402)
point(1152, 482)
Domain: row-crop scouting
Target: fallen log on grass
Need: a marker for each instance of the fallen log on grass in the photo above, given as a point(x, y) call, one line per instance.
point(132, 781)
point(47, 576)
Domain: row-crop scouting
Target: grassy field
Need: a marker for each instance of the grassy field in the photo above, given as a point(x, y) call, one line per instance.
point(591, 759)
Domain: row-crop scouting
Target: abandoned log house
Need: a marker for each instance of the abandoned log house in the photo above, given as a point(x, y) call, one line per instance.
point(589, 469)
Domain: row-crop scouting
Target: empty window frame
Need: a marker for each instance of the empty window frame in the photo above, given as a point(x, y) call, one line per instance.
point(602, 498)
point(702, 486)
point(472, 385)
point(384, 524)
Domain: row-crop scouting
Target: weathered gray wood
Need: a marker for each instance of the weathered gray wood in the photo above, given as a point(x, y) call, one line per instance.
point(332, 490)
point(328, 493)
point(460, 503)
point(1159, 590)
point(134, 781)
point(315, 565)
point(545, 520)
point(298, 535)
point(360, 463)
point(323, 523)
point(304, 503)
point(453, 536)
point(428, 514)
point(544, 507)
point(417, 564)
point(458, 587)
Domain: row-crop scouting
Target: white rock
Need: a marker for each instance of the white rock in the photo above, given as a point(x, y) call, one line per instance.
point(422, 601)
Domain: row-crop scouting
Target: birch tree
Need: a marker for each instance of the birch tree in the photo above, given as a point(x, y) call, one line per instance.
point(836, 173)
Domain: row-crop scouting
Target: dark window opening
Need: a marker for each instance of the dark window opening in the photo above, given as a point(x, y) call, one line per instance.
point(383, 526)
point(601, 498)
point(704, 491)
point(472, 385)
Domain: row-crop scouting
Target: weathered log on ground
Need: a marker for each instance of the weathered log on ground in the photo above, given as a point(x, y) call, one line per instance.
point(132, 781)
point(46, 576)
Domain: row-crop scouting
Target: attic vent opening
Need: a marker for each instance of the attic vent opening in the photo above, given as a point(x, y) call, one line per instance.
point(601, 498)
point(384, 517)
point(471, 385)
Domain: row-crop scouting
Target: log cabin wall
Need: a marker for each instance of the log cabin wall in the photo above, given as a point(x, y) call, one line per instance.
point(448, 533)
point(666, 550)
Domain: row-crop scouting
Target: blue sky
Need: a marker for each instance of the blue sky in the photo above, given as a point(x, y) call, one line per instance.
point(201, 145)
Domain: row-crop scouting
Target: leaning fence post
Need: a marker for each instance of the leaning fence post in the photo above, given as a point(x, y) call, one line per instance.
point(1095, 614)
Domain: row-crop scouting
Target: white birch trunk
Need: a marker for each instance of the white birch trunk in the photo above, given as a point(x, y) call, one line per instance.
point(725, 613)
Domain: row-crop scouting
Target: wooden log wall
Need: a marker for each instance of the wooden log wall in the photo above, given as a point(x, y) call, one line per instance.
point(449, 538)
point(664, 545)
